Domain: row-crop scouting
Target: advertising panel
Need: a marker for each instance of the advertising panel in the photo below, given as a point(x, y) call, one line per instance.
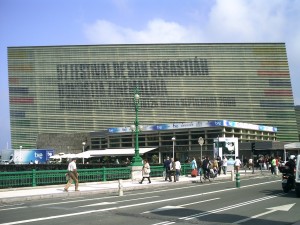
point(226, 147)
point(36, 156)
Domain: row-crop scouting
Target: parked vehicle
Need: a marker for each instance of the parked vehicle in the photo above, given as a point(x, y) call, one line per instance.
point(4, 162)
point(297, 178)
point(288, 175)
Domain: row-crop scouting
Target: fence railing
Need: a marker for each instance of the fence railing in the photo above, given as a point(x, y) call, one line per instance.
point(52, 177)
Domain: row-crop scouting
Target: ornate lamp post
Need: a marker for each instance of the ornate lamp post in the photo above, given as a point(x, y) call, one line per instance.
point(137, 160)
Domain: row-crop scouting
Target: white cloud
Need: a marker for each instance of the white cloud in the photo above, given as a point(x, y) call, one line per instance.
point(227, 21)
point(156, 31)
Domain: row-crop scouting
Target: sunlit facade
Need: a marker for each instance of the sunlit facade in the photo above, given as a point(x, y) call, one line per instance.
point(67, 89)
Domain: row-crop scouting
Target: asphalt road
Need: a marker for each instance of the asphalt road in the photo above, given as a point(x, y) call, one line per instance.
point(258, 201)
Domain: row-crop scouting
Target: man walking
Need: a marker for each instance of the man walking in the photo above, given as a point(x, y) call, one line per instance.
point(73, 175)
point(167, 168)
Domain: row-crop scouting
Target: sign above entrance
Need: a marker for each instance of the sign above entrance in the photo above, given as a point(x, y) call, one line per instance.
point(201, 124)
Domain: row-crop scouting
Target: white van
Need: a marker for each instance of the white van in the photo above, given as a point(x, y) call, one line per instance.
point(5, 162)
point(297, 177)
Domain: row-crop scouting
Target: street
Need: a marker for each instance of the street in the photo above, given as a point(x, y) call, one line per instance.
point(259, 200)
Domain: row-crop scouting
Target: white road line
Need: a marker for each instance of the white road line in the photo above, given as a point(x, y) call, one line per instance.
point(271, 210)
point(107, 203)
point(21, 207)
point(177, 207)
point(228, 207)
point(135, 194)
point(120, 207)
point(192, 203)
point(164, 223)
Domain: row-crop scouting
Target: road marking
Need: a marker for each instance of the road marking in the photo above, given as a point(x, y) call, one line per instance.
point(120, 207)
point(143, 193)
point(21, 207)
point(271, 210)
point(228, 207)
point(177, 207)
point(164, 223)
point(107, 203)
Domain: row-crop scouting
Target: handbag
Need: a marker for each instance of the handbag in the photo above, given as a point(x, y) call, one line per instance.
point(147, 170)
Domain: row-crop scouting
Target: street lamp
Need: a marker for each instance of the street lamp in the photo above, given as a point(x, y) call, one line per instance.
point(173, 139)
point(201, 142)
point(136, 160)
point(19, 158)
point(83, 144)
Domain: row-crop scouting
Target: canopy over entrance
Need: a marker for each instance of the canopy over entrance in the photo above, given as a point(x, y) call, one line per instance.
point(113, 152)
point(295, 145)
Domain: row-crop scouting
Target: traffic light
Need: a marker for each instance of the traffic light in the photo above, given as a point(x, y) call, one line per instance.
point(253, 146)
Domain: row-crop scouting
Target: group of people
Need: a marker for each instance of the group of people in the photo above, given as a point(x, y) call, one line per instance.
point(172, 169)
point(206, 166)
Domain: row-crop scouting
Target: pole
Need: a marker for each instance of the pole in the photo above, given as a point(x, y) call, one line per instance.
point(201, 142)
point(82, 154)
point(136, 160)
point(173, 148)
point(173, 139)
point(201, 153)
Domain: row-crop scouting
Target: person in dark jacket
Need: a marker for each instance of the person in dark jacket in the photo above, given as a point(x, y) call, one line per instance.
point(167, 168)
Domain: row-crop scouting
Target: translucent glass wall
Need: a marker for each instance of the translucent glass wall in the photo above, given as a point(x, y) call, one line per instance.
point(65, 89)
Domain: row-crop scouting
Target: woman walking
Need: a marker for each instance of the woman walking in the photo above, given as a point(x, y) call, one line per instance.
point(146, 171)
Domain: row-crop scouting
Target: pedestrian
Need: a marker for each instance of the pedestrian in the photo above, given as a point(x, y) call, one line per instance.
point(237, 164)
point(250, 164)
point(199, 164)
point(178, 169)
point(72, 175)
point(205, 167)
point(273, 165)
point(276, 167)
point(172, 171)
point(194, 164)
point(167, 168)
point(146, 172)
point(219, 160)
point(224, 165)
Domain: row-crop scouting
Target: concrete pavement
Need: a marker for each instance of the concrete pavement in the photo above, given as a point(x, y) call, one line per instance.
point(57, 191)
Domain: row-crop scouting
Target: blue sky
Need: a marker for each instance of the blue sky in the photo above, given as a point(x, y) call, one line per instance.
point(84, 22)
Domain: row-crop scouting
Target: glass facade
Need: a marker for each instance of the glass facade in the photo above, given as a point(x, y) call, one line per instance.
point(297, 109)
point(66, 89)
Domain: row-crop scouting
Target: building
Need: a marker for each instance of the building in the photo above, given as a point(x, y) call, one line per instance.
point(297, 110)
point(183, 139)
point(67, 89)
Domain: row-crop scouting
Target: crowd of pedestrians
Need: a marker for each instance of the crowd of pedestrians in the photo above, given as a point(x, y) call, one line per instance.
point(212, 167)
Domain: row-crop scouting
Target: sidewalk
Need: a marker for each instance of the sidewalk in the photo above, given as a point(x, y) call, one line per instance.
point(56, 191)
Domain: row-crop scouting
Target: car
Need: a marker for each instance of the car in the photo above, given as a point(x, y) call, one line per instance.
point(4, 162)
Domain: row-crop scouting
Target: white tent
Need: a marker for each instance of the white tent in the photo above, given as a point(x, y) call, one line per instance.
point(85, 155)
point(68, 156)
point(295, 145)
point(55, 157)
point(116, 152)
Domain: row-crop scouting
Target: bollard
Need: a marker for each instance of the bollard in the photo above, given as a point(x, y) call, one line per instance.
point(232, 175)
point(237, 180)
point(120, 188)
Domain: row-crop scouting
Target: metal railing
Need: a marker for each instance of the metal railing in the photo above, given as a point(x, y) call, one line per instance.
point(52, 177)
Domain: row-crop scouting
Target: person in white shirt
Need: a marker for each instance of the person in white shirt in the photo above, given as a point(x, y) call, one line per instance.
point(178, 168)
point(72, 175)
point(224, 165)
point(237, 164)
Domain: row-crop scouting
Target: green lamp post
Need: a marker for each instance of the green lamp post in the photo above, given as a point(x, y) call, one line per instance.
point(137, 160)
